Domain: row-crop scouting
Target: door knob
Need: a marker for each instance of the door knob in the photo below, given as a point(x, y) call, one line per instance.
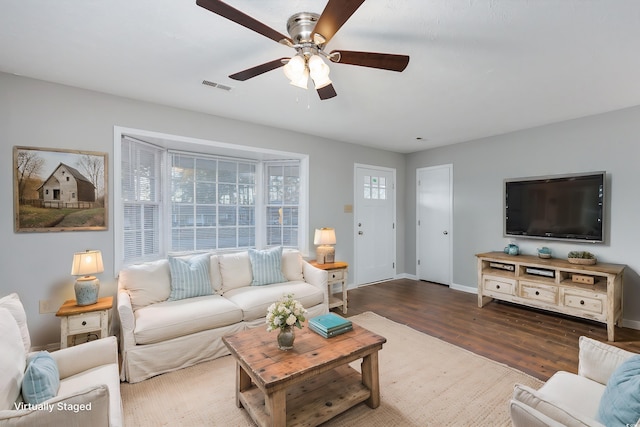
point(360, 233)
point(445, 232)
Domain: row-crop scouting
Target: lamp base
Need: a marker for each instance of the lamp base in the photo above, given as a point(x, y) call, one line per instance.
point(87, 289)
point(325, 254)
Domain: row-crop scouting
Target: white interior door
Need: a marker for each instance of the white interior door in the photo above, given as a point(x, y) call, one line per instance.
point(374, 214)
point(434, 219)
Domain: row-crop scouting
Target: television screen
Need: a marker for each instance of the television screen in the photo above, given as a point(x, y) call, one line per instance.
point(556, 207)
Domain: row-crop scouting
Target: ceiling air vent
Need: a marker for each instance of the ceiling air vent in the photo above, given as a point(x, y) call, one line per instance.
point(217, 85)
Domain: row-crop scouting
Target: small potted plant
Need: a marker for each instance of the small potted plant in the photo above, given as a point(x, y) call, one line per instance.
point(284, 315)
point(581, 257)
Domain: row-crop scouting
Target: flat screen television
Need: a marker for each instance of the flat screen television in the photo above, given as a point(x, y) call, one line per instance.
point(563, 207)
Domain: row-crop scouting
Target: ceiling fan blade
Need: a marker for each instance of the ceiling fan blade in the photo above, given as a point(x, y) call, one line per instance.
point(257, 70)
point(326, 92)
point(385, 61)
point(334, 15)
point(226, 11)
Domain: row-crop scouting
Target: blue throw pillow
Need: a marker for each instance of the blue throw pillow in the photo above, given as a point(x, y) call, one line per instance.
point(620, 402)
point(41, 379)
point(266, 266)
point(190, 277)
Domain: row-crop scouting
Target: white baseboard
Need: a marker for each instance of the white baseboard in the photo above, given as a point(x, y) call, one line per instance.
point(47, 347)
point(463, 288)
point(406, 276)
point(632, 324)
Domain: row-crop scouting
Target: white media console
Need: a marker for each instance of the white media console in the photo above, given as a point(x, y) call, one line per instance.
point(587, 291)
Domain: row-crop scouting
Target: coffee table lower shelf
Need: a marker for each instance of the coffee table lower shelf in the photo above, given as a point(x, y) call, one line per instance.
point(314, 401)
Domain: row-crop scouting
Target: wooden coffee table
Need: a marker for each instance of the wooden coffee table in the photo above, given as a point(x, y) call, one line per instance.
point(309, 384)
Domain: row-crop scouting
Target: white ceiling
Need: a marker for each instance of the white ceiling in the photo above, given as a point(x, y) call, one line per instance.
point(477, 68)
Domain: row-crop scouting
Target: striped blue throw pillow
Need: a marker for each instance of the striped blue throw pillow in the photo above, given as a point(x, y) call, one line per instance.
point(266, 266)
point(41, 379)
point(190, 277)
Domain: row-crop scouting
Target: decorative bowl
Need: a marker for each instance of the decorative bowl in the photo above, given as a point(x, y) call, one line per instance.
point(544, 255)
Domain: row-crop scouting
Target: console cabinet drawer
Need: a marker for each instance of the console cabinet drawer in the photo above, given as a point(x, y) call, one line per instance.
point(499, 285)
point(539, 292)
point(592, 304)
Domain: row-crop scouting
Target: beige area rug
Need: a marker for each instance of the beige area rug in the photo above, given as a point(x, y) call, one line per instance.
point(424, 382)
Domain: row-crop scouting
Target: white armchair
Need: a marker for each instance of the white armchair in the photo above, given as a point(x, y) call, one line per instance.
point(567, 399)
point(89, 391)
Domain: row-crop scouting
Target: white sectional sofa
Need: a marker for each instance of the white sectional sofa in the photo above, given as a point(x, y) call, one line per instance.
point(161, 333)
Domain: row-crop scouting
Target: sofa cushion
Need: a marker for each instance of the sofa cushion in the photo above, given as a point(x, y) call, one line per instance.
point(254, 300)
point(554, 408)
point(235, 270)
point(12, 359)
point(147, 283)
point(292, 265)
point(266, 266)
point(170, 319)
point(41, 379)
point(190, 277)
point(620, 403)
point(12, 303)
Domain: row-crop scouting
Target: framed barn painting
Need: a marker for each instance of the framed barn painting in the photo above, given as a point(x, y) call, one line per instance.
point(59, 190)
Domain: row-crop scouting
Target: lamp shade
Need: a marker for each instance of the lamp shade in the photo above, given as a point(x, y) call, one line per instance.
point(324, 236)
point(87, 263)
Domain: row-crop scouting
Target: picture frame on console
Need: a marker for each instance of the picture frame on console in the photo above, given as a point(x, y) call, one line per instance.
point(59, 190)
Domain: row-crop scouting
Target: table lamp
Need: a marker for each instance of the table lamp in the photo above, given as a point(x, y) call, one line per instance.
point(85, 264)
point(325, 237)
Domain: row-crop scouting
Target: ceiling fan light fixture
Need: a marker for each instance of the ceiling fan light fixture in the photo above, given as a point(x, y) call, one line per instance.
point(319, 71)
point(295, 68)
point(301, 80)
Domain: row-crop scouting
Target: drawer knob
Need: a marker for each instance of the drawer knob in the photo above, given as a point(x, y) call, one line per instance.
point(84, 323)
point(537, 292)
point(581, 302)
point(497, 286)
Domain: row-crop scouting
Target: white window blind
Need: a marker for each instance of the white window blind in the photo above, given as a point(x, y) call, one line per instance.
point(282, 204)
point(141, 166)
point(212, 203)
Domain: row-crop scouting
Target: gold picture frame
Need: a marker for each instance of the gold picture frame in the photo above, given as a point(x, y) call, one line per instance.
point(59, 190)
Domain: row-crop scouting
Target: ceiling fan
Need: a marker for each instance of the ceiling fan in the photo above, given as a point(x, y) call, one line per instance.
point(309, 34)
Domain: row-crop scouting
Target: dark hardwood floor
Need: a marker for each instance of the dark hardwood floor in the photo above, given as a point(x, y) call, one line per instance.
point(533, 341)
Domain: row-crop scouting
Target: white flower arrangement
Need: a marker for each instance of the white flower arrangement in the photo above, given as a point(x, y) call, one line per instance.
point(285, 312)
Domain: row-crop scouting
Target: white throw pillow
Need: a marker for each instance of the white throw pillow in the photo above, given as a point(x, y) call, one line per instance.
point(292, 265)
point(597, 360)
point(147, 283)
point(235, 270)
point(12, 303)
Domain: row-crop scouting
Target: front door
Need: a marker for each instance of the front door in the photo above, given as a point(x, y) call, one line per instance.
point(375, 234)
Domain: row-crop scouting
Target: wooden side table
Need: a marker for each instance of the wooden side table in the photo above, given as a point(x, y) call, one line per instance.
point(84, 319)
point(338, 272)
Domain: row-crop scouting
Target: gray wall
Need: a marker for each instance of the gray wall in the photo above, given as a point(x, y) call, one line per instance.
point(39, 114)
point(604, 142)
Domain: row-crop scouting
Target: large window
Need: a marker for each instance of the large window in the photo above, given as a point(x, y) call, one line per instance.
point(185, 201)
point(213, 203)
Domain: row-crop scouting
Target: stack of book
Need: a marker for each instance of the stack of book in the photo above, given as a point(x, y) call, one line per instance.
point(329, 325)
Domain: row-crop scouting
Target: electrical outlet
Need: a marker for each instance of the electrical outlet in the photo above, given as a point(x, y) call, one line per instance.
point(46, 307)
